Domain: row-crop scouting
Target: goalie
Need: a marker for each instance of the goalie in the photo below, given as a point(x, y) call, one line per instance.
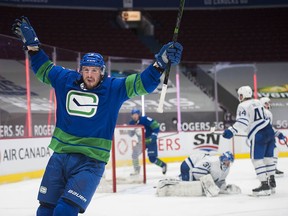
point(201, 170)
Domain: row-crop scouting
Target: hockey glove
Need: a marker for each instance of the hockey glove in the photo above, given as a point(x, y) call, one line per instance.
point(227, 134)
point(281, 136)
point(23, 30)
point(169, 52)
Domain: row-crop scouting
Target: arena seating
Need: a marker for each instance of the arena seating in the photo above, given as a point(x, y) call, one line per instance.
point(228, 35)
point(79, 30)
point(239, 35)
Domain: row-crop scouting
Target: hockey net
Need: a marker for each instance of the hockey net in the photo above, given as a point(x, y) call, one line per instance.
point(127, 164)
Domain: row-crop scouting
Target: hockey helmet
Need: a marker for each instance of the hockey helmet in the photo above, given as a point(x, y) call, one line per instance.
point(265, 101)
point(244, 92)
point(93, 60)
point(135, 111)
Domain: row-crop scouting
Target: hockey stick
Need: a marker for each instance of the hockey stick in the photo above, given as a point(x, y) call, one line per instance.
point(212, 131)
point(168, 135)
point(167, 71)
point(78, 104)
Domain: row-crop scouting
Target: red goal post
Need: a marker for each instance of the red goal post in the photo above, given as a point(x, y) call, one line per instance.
point(121, 153)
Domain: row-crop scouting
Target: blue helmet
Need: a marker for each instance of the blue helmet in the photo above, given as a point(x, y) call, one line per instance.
point(93, 60)
point(227, 156)
point(135, 111)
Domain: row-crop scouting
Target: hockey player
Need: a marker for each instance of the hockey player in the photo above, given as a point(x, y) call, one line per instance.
point(88, 103)
point(200, 172)
point(151, 133)
point(251, 119)
point(198, 165)
point(266, 104)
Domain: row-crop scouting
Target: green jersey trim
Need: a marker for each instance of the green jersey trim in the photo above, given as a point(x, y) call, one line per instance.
point(96, 148)
point(134, 86)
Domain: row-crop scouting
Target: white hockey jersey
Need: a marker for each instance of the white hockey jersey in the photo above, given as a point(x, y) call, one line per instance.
point(250, 118)
point(269, 116)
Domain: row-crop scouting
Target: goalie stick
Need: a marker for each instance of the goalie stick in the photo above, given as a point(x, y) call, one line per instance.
point(212, 131)
point(167, 71)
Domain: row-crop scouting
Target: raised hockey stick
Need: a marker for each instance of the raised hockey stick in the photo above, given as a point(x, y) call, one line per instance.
point(167, 71)
point(212, 131)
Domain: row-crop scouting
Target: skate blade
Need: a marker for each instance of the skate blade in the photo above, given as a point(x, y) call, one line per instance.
point(279, 175)
point(261, 193)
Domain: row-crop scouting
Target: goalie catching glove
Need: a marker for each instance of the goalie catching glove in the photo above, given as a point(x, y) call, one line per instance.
point(23, 30)
point(169, 52)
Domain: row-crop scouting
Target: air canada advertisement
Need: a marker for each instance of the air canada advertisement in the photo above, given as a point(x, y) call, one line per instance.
point(23, 155)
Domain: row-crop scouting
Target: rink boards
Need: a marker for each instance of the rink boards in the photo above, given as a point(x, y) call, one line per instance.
point(27, 157)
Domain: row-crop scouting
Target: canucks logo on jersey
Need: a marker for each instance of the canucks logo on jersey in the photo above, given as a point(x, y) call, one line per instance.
point(82, 104)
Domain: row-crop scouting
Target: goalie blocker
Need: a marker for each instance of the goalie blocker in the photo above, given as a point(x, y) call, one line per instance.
point(206, 186)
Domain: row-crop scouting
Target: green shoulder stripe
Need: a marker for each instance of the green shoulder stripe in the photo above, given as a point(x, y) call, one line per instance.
point(43, 71)
point(154, 124)
point(134, 86)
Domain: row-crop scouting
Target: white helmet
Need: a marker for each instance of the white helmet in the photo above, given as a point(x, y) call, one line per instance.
point(265, 101)
point(244, 92)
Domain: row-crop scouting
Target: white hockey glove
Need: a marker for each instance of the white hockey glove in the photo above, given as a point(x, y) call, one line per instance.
point(231, 189)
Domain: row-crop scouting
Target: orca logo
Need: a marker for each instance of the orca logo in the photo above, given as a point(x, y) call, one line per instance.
point(82, 104)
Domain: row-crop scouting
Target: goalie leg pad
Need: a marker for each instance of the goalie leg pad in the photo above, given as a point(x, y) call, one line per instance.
point(209, 187)
point(175, 187)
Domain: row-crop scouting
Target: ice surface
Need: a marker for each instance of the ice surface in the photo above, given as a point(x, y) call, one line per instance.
point(21, 198)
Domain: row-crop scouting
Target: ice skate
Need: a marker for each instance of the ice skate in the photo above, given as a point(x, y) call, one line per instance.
point(262, 190)
point(279, 173)
point(136, 171)
point(272, 184)
point(164, 169)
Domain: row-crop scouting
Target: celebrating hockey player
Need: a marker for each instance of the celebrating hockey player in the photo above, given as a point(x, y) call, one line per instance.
point(251, 119)
point(151, 133)
point(88, 103)
point(266, 104)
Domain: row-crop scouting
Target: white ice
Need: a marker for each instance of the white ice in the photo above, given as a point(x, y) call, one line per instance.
point(141, 200)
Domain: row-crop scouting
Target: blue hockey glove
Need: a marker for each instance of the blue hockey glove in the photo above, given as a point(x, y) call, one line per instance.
point(23, 30)
point(169, 52)
point(227, 134)
point(281, 136)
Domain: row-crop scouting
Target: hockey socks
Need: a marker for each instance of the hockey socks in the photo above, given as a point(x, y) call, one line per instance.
point(65, 208)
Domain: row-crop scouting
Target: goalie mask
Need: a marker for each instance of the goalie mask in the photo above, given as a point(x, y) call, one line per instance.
point(244, 92)
point(226, 159)
point(265, 101)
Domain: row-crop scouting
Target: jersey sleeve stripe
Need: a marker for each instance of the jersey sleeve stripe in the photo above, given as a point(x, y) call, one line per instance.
point(242, 123)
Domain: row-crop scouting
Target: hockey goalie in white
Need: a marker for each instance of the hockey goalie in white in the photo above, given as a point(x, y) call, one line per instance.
point(200, 173)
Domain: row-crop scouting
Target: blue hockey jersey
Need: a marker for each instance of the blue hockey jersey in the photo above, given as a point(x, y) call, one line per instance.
point(86, 118)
